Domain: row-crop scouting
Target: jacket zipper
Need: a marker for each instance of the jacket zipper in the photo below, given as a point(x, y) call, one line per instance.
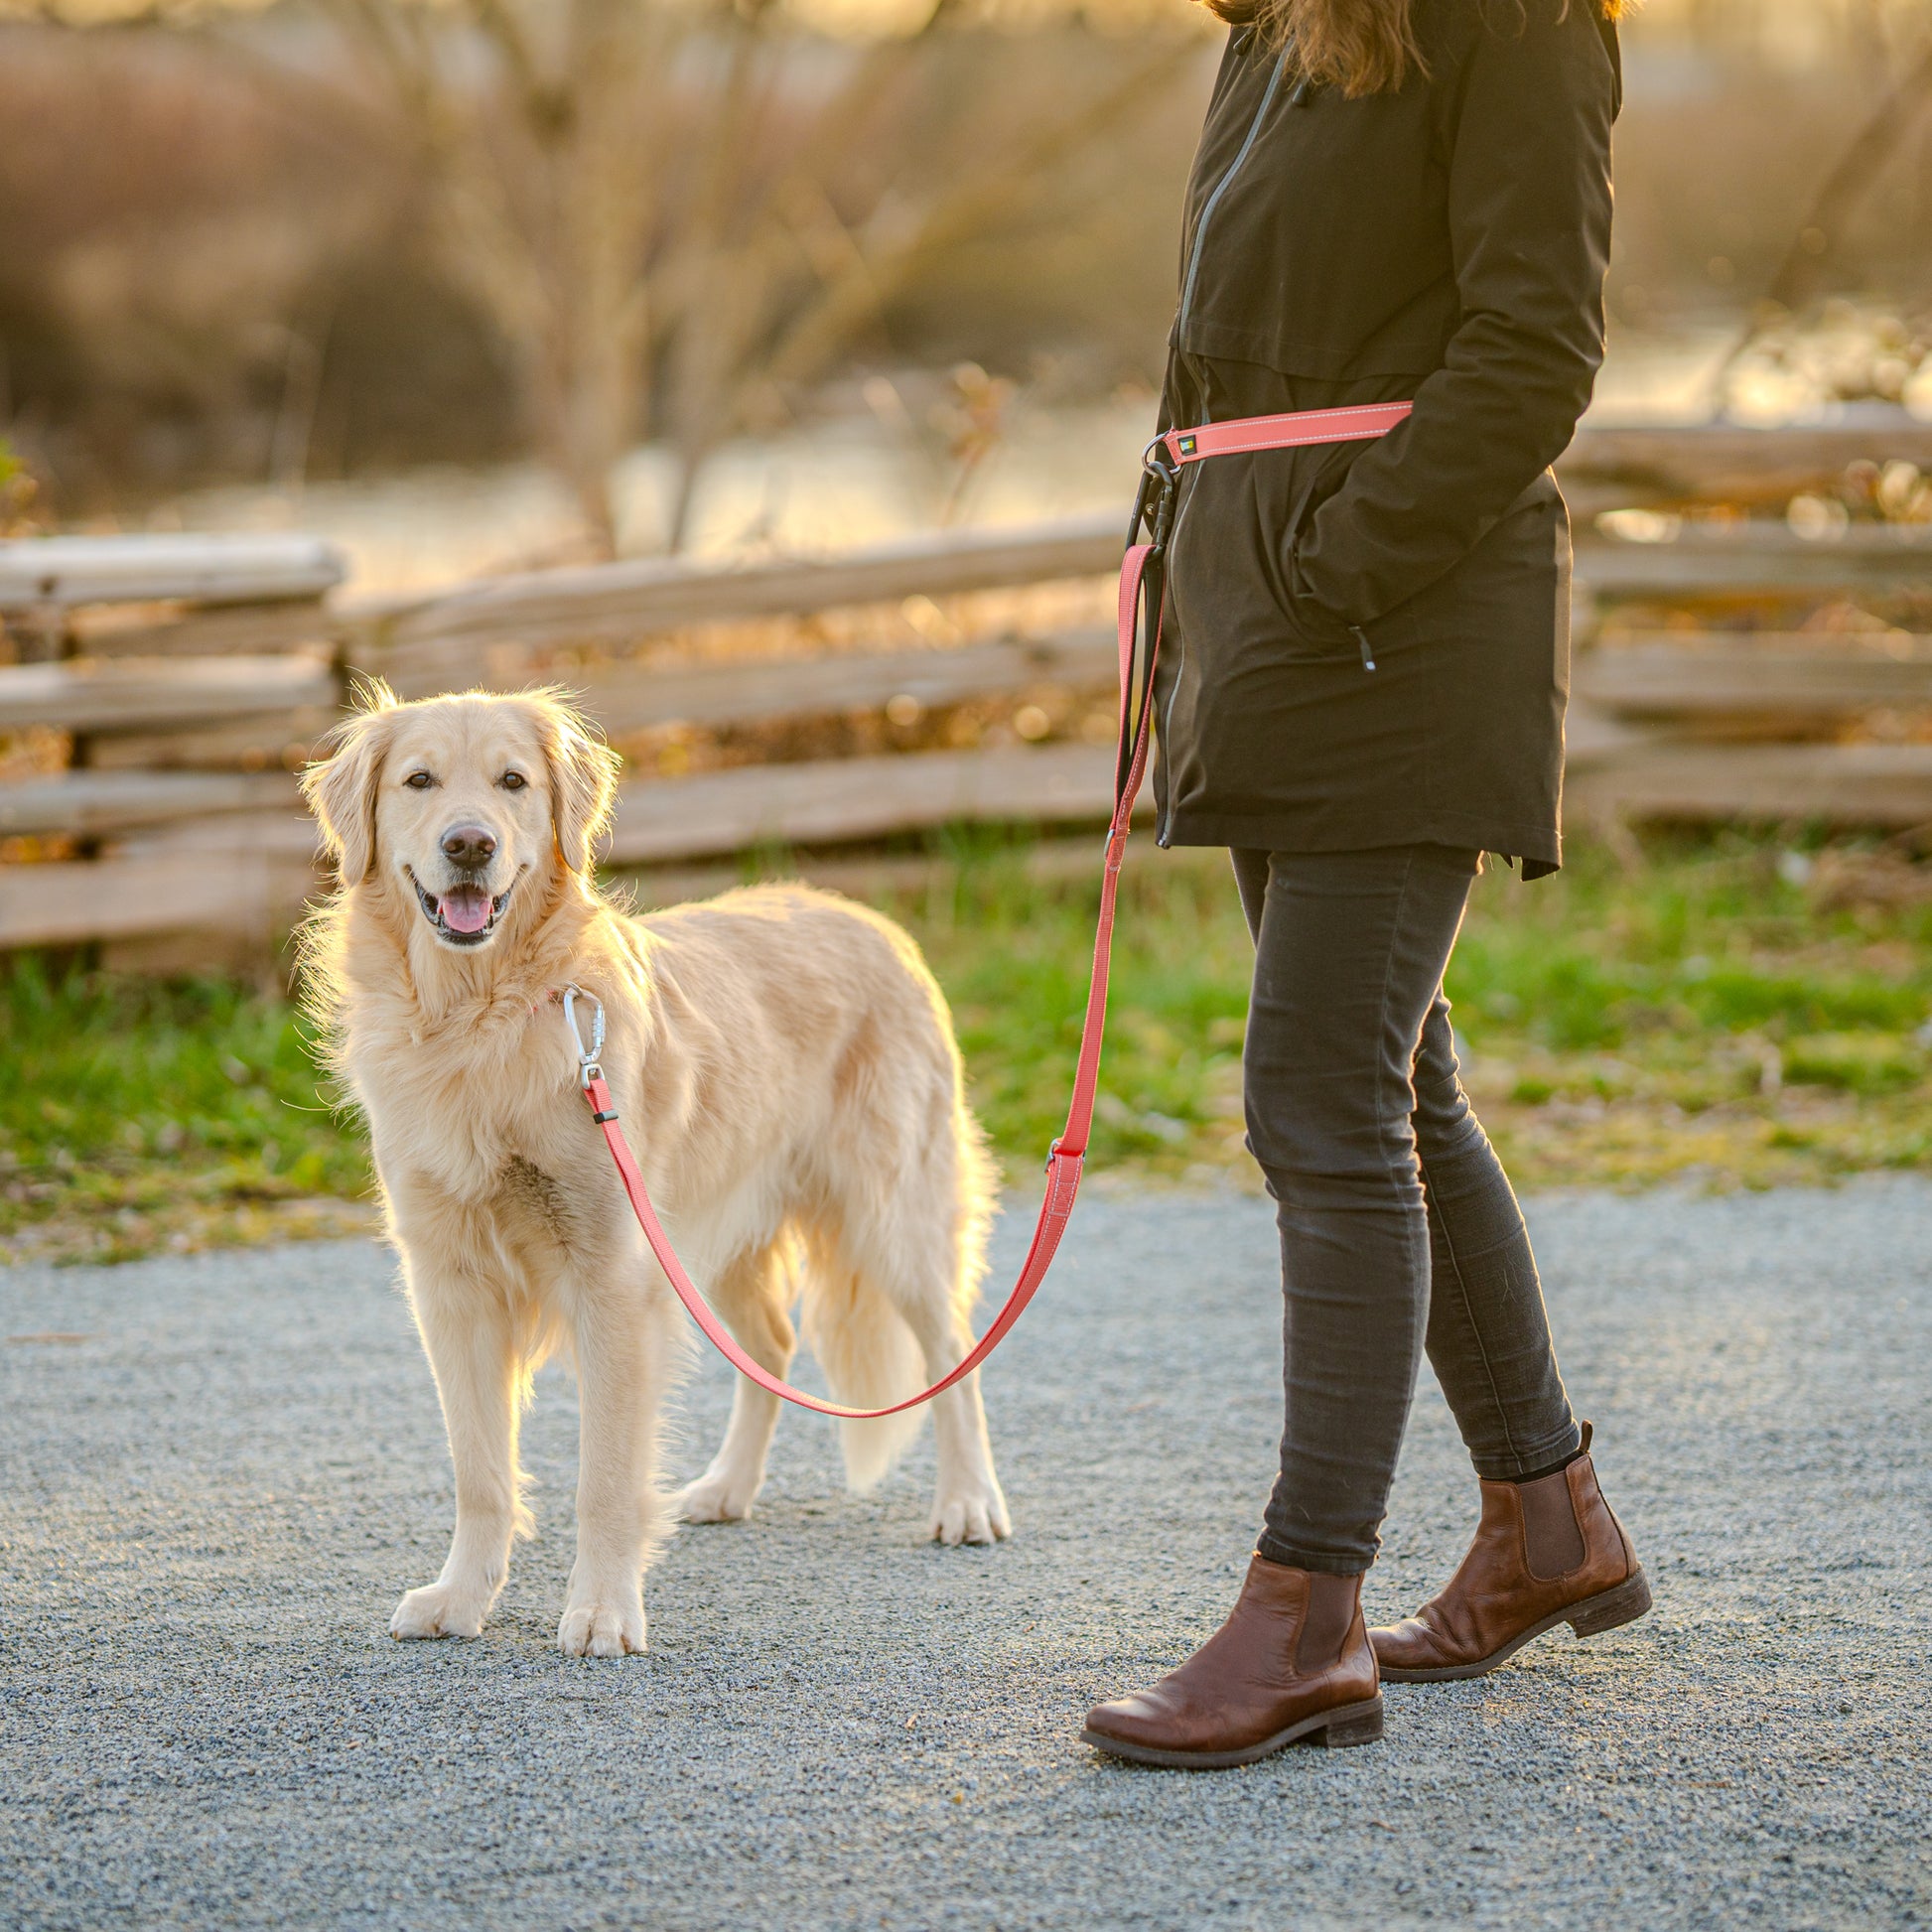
point(1163, 831)
point(1220, 188)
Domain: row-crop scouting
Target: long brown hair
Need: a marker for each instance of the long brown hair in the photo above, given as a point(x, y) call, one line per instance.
point(1362, 47)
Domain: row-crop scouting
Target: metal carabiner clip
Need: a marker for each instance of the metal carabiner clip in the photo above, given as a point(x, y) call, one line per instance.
point(587, 1067)
point(1154, 502)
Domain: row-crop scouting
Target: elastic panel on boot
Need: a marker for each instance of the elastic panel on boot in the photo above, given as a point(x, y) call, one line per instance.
point(1553, 1541)
point(1325, 1623)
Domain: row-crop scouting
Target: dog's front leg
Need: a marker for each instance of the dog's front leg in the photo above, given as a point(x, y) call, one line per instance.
point(623, 1340)
point(467, 1332)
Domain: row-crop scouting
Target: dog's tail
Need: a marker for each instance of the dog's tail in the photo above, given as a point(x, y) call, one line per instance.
point(869, 1359)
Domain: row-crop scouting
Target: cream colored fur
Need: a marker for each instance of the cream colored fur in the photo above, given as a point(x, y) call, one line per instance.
point(786, 1073)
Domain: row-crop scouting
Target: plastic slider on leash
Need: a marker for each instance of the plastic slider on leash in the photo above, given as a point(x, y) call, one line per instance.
point(1139, 614)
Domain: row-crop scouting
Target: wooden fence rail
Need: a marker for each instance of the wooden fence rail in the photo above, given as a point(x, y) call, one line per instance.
point(95, 696)
point(628, 697)
point(425, 645)
point(623, 601)
point(93, 804)
point(62, 572)
point(1646, 677)
point(189, 686)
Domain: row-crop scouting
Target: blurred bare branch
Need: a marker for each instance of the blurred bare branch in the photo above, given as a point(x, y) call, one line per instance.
point(807, 282)
point(1802, 273)
point(639, 191)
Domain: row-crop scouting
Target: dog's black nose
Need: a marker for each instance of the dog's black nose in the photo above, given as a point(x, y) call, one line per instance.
point(469, 845)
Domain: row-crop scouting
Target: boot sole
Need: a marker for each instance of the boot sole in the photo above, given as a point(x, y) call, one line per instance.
point(1591, 1618)
point(1346, 1724)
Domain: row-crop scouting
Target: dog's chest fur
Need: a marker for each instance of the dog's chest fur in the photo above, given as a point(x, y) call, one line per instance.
point(488, 1115)
point(529, 1196)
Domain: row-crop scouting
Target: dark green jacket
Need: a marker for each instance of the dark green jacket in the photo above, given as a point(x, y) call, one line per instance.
point(1445, 243)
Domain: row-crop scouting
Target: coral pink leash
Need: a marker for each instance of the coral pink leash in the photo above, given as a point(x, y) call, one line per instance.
point(1139, 614)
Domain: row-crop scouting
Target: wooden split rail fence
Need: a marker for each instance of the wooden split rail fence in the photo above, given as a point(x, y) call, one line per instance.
point(178, 683)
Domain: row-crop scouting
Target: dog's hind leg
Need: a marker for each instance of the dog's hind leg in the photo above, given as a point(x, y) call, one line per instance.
point(910, 1263)
point(752, 1297)
point(968, 1504)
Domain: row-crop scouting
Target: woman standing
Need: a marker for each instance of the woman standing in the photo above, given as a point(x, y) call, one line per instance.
point(1361, 691)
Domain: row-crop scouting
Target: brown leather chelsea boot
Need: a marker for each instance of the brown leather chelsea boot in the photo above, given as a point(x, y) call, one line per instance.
point(1545, 1553)
point(1293, 1661)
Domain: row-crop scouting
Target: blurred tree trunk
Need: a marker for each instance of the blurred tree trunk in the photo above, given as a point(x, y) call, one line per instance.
point(542, 170)
point(636, 186)
point(1803, 271)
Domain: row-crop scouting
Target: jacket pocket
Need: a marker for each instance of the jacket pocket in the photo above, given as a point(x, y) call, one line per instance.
point(1287, 502)
point(1230, 566)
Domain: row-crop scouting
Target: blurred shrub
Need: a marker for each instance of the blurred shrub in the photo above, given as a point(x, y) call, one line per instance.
point(168, 297)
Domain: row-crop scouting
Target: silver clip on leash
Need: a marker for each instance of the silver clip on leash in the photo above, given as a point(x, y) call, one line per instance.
point(588, 1059)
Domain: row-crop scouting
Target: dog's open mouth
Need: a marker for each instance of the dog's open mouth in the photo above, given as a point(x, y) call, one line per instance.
point(465, 915)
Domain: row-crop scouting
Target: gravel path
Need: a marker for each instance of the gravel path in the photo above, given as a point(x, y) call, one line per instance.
point(215, 1482)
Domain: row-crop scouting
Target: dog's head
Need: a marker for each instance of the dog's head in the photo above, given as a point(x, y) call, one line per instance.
point(459, 804)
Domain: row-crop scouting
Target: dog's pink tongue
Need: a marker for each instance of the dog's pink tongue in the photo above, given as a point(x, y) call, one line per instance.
point(466, 910)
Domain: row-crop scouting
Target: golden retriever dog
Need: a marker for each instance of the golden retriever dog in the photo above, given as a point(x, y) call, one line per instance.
point(786, 1072)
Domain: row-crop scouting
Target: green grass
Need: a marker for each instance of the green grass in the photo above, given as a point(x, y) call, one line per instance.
point(1697, 1016)
point(139, 1114)
point(1700, 1016)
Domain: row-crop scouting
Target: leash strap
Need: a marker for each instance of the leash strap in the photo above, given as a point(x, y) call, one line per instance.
point(1139, 593)
point(1298, 431)
point(1138, 616)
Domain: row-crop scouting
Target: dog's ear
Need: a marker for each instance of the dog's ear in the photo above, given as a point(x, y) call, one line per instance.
point(341, 789)
point(583, 783)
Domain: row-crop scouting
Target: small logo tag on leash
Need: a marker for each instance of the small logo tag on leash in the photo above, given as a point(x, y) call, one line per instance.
point(1187, 445)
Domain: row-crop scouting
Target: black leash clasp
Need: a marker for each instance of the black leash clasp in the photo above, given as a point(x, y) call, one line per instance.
point(1153, 510)
point(1154, 500)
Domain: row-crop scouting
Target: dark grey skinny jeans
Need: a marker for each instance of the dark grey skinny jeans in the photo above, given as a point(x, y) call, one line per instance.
point(1398, 1228)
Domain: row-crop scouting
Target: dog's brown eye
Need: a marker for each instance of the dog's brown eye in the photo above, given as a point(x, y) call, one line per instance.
point(419, 781)
point(514, 781)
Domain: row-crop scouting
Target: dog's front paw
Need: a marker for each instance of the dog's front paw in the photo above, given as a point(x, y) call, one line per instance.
point(601, 1629)
point(970, 1510)
point(714, 1499)
point(439, 1610)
